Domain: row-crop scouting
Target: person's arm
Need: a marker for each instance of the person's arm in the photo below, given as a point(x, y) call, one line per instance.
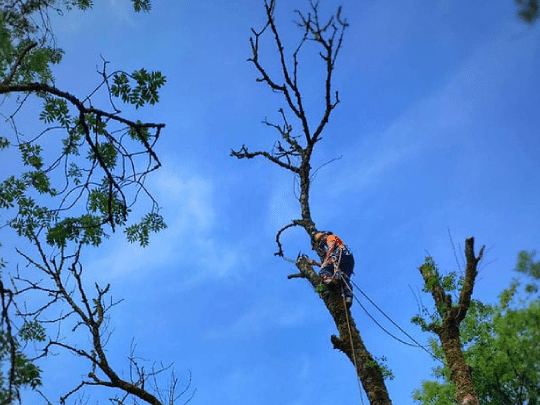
point(331, 247)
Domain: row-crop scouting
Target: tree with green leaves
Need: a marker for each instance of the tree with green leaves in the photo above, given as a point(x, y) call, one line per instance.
point(77, 175)
point(446, 321)
point(500, 344)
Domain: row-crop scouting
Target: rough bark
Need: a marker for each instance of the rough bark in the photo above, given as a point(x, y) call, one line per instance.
point(349, 341)
point(451, 316)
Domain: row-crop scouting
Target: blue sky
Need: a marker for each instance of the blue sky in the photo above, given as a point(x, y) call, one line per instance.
point(437, 131)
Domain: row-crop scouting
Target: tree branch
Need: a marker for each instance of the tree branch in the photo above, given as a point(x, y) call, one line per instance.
point(471, 272)
point(243, 153)
point(18, 63)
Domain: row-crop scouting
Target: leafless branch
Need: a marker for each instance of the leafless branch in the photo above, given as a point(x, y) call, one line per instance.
point(294, 151)
point(289, 150)
point(89, 310)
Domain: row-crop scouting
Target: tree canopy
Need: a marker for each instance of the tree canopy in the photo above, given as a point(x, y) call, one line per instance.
point(528, 10)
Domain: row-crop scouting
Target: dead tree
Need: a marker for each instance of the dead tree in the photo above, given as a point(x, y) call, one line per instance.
point(293, 151)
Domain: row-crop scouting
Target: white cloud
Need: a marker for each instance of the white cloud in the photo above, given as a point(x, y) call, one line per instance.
point(283, 206)
point(186, 197)
point(122, 11)
point(187, 202)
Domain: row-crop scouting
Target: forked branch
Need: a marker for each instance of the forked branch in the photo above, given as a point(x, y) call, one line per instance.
point(90, 310)
point(293, 150)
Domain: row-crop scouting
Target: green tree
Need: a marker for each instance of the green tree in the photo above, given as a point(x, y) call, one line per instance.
point(72, 182)
point(446, 321)
point(500, 343)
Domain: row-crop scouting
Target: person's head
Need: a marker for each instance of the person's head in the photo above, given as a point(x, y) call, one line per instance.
point(319, 238)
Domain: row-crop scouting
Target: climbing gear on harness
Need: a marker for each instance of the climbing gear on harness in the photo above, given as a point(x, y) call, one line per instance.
point(327, 279)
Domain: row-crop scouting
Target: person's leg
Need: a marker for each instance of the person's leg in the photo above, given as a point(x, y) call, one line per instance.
point(347, 268)
point(327, 272)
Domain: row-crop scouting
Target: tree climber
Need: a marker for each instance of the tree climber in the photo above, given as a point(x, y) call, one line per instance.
point(338, 259)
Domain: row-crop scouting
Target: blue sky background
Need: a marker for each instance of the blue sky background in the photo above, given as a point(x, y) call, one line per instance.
point(437, 131)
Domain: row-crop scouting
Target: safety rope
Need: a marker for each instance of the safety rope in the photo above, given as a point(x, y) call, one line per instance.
point(416, 343)
point(352, 344)
point(338, 272)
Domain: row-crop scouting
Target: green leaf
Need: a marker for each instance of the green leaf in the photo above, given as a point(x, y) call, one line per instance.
point(32, 331)
point(140, 232)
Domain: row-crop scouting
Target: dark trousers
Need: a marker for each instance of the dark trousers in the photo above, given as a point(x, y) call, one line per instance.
point(346, 267)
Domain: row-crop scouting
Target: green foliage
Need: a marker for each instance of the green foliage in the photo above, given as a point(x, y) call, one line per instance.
point(418, 320)
point(140, 232)
point(106, 153)
point(379, 363)
point(31, 155)
point(32, 331)
point(22, 372)
point(500, 343)
point(86, 229)
point(527, 266)
point(430, 273)
point(139, 88)
point(435, 393)
point(75, 186)
point(433, 279)
point(449, 282)
point(141, 5)
point(11, 190)
point(321, 288)
point(40, 181)
point(55, 110)
point(4, 143)
point(139, 133)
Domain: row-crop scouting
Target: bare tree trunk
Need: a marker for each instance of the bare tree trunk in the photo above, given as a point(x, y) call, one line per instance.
point(349, 340)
